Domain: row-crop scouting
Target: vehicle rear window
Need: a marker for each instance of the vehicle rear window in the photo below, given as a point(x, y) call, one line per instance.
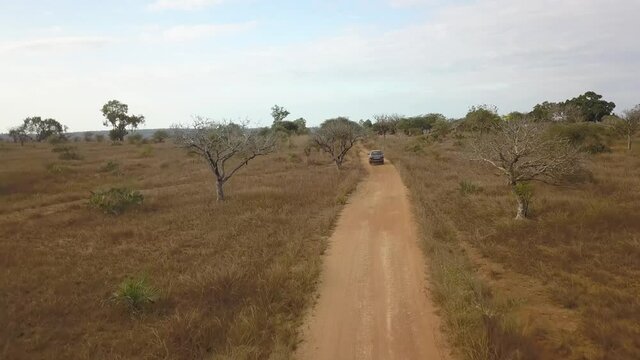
point(376, 153)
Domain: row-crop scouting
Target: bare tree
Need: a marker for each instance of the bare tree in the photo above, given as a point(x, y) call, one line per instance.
point(336, 137)
point(522, 151)
point(221, 144)
point(386, 124)
point(629, 124)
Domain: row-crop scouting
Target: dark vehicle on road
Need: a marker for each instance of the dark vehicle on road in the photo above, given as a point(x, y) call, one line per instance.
point(376, 157)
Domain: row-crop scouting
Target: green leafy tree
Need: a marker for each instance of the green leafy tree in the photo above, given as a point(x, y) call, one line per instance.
point(19, 135)
point(301, 126)
point(116, 115)
point(287, 127)
point(160, 136)
point(416, 125)
point(542, 112)
point(592, 106)
point(550, 111)
point(43, 128)
point(278, 113)
point(482, 118)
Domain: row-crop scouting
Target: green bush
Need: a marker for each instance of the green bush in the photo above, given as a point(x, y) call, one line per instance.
point(136, 293)
point(468, 188)
point(110, 166)
point(115, 200)
point(67, 152)
point(160, 136)
point(135, 138)
point(99, 137)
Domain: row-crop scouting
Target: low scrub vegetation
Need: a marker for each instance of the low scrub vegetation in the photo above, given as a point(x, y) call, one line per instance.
point(110, 166)
point(556, 286)
point(116, 200)
point(468, 188)
point(234, 278)
point(67, 152)
point(588, 137)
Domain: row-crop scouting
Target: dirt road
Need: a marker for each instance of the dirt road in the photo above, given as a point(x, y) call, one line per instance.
point(373, 300)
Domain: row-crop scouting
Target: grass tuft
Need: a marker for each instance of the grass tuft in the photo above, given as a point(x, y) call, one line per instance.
point(468, 188)
point(136, 293)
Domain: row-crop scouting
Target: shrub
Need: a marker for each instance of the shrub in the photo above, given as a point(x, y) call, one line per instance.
point(56, 139)
point(115, 200)
point(67, 152)
point(468, 188)
point(136, 293)
point(147, 151)
point(99, 137)
point(440, 129)
point(160, 136)
point(588, 137)
point(110, 166)
point(135, 138)
point(88, 136)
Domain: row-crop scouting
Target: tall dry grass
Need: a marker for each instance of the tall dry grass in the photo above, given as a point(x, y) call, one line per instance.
point(564, 285)
point(232, 279)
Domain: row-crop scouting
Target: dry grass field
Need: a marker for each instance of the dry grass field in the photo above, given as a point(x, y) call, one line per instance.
point(563, 285)
point(232, 278)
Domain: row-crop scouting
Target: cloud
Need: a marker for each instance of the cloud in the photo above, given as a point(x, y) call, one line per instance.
point(511, 53)
point(57, 43)
point(182, 4)
point(193, 32)
point(408, 3)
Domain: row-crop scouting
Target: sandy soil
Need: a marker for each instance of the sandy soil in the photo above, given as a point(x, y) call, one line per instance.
point(374, 302)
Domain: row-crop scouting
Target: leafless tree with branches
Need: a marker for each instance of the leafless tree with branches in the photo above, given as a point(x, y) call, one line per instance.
point(223, 143)
point(336, 137)
point(628, 124)
point(522, 151)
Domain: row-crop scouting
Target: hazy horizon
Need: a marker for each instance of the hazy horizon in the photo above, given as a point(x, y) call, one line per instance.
point(170, 59)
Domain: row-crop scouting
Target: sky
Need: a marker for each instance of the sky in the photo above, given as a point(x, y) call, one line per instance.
point(170, 60)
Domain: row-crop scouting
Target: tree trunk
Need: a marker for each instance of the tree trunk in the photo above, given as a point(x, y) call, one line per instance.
point(219, 190)
point(522, 211)
point(628, 141)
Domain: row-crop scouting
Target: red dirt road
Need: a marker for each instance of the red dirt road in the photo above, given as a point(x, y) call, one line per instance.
point(374, 302)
